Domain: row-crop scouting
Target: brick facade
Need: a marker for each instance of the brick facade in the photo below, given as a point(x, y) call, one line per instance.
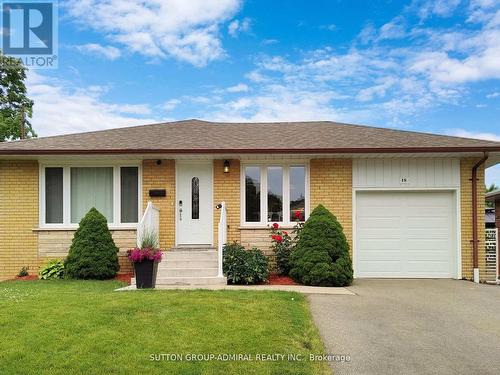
point(466, 218)
point(18, 217)
point(226, 188)
point(21, 244)
point(330, 184)
point(161, 176)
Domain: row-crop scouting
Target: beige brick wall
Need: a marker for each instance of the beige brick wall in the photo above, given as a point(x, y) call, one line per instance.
point(55, 244)
point(227, 188)
point(18, 216)
point(331, 186)
point(466, 218)
point(161, 176)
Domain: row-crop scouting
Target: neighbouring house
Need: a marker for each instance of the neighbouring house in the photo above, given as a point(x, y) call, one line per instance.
point(493, 234)
point(411, 204)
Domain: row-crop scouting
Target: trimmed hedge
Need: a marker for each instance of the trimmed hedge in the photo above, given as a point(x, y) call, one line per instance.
point(93, 253)
point(242, 266)
point(321, 256)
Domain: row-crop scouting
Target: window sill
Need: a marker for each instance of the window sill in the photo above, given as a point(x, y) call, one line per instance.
point(262, 226)
point(74, 228)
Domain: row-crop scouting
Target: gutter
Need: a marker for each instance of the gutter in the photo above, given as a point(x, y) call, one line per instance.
point(340, 150)
point(475, 240)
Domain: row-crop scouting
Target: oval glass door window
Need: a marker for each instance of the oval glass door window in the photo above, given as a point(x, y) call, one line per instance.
point(195, 198)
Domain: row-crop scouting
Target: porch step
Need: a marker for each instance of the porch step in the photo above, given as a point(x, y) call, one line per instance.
point(186, 272)
point(190, 255)
point(193, 248)
point(188, 263)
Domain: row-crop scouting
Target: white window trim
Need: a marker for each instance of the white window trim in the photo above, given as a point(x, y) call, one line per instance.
point(263, 192)
point(116, 224)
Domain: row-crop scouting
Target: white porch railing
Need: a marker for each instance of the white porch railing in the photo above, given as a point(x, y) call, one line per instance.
point(149, 224)
point(222, 235)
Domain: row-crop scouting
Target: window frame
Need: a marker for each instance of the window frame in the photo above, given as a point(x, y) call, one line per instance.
point(66, 224)
point(263, 165)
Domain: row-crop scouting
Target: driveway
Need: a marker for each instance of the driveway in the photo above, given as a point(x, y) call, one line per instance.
point(412, 327)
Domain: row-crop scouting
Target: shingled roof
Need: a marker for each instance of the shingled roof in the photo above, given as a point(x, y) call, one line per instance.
point(195, 136)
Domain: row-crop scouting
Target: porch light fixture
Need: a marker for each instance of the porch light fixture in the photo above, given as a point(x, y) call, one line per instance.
point(226, 166)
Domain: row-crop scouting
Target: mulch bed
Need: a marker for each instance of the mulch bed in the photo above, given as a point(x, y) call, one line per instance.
point(280, 280)
point(27, 278)
point(125, 277)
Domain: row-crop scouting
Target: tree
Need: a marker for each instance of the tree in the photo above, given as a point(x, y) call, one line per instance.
point(321, 255)
point(15, 106)
point(93, 253)
point(492, 187)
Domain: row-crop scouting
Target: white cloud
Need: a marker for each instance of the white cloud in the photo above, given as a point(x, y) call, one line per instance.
point(61, 108)
point(442, 8)
point(237, 27)
point(240, 87)
point(108, 52)
point(493, 95)
point(185, 30)
point(330, 27)
point(171, 104)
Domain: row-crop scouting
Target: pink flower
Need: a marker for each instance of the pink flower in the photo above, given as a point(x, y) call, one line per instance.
point(137, 255)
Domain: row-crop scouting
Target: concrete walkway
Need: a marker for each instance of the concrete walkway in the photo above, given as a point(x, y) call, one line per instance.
point(286, 288)
point(412, 327)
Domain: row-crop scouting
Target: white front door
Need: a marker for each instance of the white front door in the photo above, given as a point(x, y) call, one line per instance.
point(194, 203)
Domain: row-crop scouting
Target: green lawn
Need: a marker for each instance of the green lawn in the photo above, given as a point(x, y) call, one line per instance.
point(84, 327)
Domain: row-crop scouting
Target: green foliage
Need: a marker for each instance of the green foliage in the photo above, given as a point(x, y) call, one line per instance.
point(492, 187)
point(149, 240)
point(13, 100)
point(244, 266)
point(282, 244)
point(321, 256)
point(54, 269)
point(93, 253)
point(23, 271)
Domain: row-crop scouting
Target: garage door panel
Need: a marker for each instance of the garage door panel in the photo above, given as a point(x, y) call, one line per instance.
point(405, 234)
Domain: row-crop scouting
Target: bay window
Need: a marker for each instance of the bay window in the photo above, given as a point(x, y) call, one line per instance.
point(273, 193)
point(69, 192)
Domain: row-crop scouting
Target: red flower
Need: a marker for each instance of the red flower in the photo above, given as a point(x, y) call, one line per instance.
point(276, 226)
point(285, 233)
point(298, 214)
point(278, 238)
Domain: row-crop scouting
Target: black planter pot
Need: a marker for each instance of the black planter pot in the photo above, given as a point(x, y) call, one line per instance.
point(145, 274)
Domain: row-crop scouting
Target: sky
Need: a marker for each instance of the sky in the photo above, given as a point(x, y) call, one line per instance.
point(431, 66)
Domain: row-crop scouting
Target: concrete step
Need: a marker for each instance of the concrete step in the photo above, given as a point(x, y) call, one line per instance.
point(193, 248)
point(190, 255)
point(186, 272)
point(187, 263)
point(210, 280)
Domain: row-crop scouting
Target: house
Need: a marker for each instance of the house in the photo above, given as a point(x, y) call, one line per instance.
point(493, 234)
point(411, 204)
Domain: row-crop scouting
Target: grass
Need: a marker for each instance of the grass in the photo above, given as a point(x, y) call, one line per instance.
point(84, 327)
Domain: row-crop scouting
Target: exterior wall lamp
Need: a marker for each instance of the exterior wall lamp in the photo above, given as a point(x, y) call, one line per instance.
point(226, 166)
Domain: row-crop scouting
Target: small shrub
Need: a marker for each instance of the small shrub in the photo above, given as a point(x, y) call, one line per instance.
point(244, 267)
point(321, 256)
point(281, 245)
point(93, 253)
point(23, 271)
point(54, 269)
point(149, 240)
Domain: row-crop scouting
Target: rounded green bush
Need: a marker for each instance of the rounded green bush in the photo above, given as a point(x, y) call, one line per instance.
point(242, 266)
point(321, 256)
point(93, 253)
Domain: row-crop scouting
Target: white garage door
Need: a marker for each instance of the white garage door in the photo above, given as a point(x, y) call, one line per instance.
point(405, 234)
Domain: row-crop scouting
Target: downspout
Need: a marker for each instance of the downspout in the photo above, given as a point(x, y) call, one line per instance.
point(475, 252)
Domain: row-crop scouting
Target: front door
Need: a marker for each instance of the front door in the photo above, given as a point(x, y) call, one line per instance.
point(194, 203)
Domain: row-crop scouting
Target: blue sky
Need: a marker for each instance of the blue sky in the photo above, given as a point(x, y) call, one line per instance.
point(431, 66)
